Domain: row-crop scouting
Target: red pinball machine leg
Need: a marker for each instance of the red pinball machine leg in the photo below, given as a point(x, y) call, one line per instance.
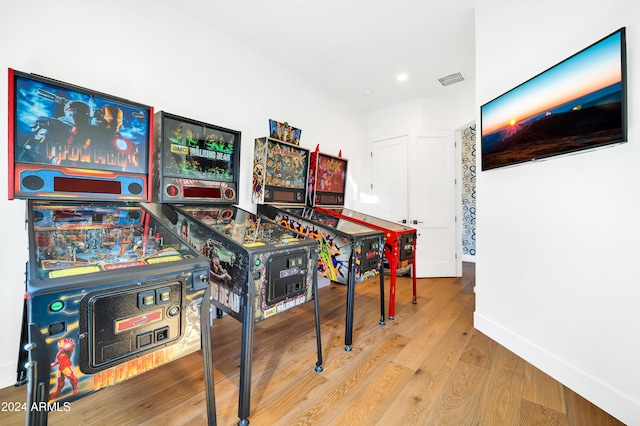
point(392, 259)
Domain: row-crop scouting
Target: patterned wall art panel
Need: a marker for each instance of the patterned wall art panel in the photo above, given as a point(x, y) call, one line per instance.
point(469, 191)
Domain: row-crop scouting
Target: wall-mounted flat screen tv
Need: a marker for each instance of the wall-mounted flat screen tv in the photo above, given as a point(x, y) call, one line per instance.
point(68, 142)
point(576, 105)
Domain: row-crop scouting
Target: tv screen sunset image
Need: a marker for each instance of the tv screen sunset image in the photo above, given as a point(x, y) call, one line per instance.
point(576, 105)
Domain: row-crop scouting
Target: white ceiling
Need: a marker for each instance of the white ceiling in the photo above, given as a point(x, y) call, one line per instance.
point(348, 47)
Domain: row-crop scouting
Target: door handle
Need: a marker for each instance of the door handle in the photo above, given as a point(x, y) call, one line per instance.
point(415, 222)
point(403, 221)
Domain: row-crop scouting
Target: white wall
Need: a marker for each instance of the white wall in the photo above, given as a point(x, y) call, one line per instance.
point(153, 54)
point(557, 240)
point(443, 113)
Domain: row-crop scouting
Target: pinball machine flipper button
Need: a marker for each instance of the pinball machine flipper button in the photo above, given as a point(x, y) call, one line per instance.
point(173, 311)
point(57, 328)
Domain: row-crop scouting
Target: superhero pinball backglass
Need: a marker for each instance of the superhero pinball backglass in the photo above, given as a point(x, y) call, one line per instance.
point(327, 179)
point(74, 143)
point(111, 294)
point(279, 172)
point(195, 161)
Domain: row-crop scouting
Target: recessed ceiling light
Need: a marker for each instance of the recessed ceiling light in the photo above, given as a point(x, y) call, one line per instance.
point(402, 77)
point(368, 93)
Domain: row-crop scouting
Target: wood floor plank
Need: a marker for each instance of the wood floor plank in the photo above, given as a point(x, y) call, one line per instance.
point(423, 388)
point(434, 331)
point(460, 396)
point(368, 405)
point(535, 414)
point(582, 412)
point(542, 390)
point(501, 399)
point(480, 351)
point(429, 366)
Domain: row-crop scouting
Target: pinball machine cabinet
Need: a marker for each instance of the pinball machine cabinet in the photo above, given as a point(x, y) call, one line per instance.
point(327, 181)
point(349, 252)
point(399, 245)
point(110, 292)
point(258, 269)
point(280, 190)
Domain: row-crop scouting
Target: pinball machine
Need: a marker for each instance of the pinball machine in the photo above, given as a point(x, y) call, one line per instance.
point(349, 252)
point(258, 269)
point(111, 293)
point(326, 195)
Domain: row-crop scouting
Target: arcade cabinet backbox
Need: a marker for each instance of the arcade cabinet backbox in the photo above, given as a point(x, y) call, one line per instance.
point(326, 194)
point(258, 269)
point(349, 253)
point(110, 292)
point(195, 162)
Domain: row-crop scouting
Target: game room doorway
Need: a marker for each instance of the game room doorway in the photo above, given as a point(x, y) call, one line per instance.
point(420, 189)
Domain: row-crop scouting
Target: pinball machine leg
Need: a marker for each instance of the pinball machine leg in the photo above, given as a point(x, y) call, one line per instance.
point(393, 267)
point(413, 273)
point(207, 357)
point(316, 305)
point(38, 377)
point(244, 399)
point(381, 271)
point(348, 332)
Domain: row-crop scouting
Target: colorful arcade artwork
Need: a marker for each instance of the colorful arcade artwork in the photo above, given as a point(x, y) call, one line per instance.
point(58, 132)
point(240, 244)
point(110, 292)
point(279, 172)
point(284, 132)
point(100, 332)
point(196, 161)
point(197, 152)
point(258, 270)
point(327, 179)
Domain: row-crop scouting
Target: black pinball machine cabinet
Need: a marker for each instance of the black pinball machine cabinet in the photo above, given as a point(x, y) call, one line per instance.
point(110, 292)
point(349, 252)
point(257, 268)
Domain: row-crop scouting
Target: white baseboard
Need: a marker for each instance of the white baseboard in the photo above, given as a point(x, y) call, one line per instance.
point(8, 375)
point(619, 405)
point(323, 281)
point(468, 258)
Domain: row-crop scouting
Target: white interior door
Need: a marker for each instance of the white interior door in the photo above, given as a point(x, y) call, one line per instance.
point(432, 203)
point(414, 182)
point(389, 194)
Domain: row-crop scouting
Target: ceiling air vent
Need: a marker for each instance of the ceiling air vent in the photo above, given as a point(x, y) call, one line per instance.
point(451, 79)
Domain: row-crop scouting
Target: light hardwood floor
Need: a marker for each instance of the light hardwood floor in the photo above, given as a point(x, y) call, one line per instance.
point(427, 367)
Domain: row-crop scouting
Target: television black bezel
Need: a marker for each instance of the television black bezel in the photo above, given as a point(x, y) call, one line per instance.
point(623, 109)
